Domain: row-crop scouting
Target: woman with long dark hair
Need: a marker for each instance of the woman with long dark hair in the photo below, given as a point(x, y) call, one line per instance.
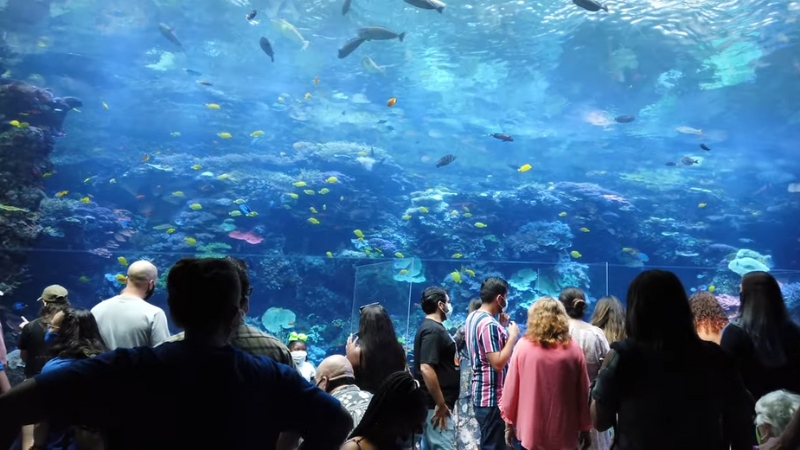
point(72, 335)
point(663, 388)
point(376, 352)
point(396, 413)
point(763, 339)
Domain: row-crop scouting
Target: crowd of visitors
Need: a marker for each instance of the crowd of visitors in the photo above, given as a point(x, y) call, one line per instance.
point(667, 372)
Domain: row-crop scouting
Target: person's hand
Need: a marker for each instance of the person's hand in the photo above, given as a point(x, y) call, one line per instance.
point(513, 330)
point(351, 343)
point(24, 322)
point(440, 415)
point(503, 319)
point(511, 436)
point(772, 444)
point(585, 439)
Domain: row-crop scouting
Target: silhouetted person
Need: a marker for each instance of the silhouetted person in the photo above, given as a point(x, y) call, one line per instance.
point(198, 393)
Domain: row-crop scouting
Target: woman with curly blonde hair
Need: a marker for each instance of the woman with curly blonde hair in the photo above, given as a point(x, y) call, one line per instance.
point(544, 400)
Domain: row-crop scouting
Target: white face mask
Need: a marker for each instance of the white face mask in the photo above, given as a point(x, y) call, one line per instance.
point(299, 356)
point(448, 310)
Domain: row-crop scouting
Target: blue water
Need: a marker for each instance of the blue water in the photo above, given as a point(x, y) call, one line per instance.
point(161, 162)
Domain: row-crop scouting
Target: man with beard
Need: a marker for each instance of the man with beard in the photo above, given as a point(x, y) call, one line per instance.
point(127, 320)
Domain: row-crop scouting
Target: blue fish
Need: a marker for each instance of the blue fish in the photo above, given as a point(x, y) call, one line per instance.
point(19, 306)
point(125, 223)
point(244, 209)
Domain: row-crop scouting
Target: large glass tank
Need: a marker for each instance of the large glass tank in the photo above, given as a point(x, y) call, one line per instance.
point(553, 144)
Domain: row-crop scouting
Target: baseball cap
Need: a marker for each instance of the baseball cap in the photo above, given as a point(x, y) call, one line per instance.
point(54, 293)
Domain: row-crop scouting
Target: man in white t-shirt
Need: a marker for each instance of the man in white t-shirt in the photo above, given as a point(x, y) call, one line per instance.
point(127, 320)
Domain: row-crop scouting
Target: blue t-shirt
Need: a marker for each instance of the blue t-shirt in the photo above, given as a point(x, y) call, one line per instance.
point(185, 395)
point(56, 363)
point(57, 434)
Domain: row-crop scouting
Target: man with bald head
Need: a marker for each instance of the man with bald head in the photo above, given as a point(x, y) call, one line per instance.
point(335, 376)
point(127, 320)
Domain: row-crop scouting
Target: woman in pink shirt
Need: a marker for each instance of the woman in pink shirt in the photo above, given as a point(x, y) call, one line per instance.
point(545, 400)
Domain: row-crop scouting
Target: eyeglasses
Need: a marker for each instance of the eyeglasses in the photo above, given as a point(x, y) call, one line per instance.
point(361, 308)
point(249, 290)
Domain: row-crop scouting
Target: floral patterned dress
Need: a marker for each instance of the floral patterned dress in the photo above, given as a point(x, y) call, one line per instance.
point(468, 433)
point(594, 344)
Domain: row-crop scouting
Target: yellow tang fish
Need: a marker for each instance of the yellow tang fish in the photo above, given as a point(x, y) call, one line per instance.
point(525, 168)
point(225, 135)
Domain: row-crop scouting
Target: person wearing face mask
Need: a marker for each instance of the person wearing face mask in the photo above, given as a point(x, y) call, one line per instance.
point(297, 346)
point(128, 320)
point(436, 368)
point(489, 345)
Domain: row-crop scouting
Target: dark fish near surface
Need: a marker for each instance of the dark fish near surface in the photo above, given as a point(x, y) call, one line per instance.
point(705, 147)
point(265, 45)
point(689, 161)
point(671, 164)
point(427, 4)
point(169, 33)
point(445, 160)
point(204, 83)
point(350, 46)
point(192, 72)
point(590, 5)
point(346, 6)
point(251, 15)
point(379, 34)
point(624, 119)
point(502, 137)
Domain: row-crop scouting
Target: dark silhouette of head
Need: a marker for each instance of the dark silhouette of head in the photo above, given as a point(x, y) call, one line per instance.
point(78, 336)
point(396, 413)
point(764, 316)
point(574, 301)
point(244, 282)
point(204, 296)
point(658, 311)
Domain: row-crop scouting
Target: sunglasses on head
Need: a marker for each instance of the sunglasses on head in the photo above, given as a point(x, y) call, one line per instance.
point(361, 308)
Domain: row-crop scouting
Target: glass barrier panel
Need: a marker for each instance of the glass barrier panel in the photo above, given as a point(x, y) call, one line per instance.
point(388, 283)
point(527, 282)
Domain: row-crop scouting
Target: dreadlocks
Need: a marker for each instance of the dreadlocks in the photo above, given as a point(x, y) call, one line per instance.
point(397, 410)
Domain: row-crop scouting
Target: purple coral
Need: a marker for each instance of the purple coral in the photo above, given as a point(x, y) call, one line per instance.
point(383, 244)
point(728, 302)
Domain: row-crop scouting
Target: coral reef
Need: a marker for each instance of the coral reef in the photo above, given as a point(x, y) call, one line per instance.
point(30, 117)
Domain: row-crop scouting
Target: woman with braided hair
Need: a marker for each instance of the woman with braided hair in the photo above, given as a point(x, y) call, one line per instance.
point(396, 413)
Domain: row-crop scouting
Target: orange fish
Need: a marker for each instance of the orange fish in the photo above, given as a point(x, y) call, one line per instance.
point(316, 81)
point(391, 102)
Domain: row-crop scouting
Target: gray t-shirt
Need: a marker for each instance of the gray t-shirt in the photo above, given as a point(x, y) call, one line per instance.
point(126, 322)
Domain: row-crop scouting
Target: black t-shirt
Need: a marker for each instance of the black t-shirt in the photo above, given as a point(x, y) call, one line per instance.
point(31, 340)
point(687, 397)
point(434, 346)
point(761, 378)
